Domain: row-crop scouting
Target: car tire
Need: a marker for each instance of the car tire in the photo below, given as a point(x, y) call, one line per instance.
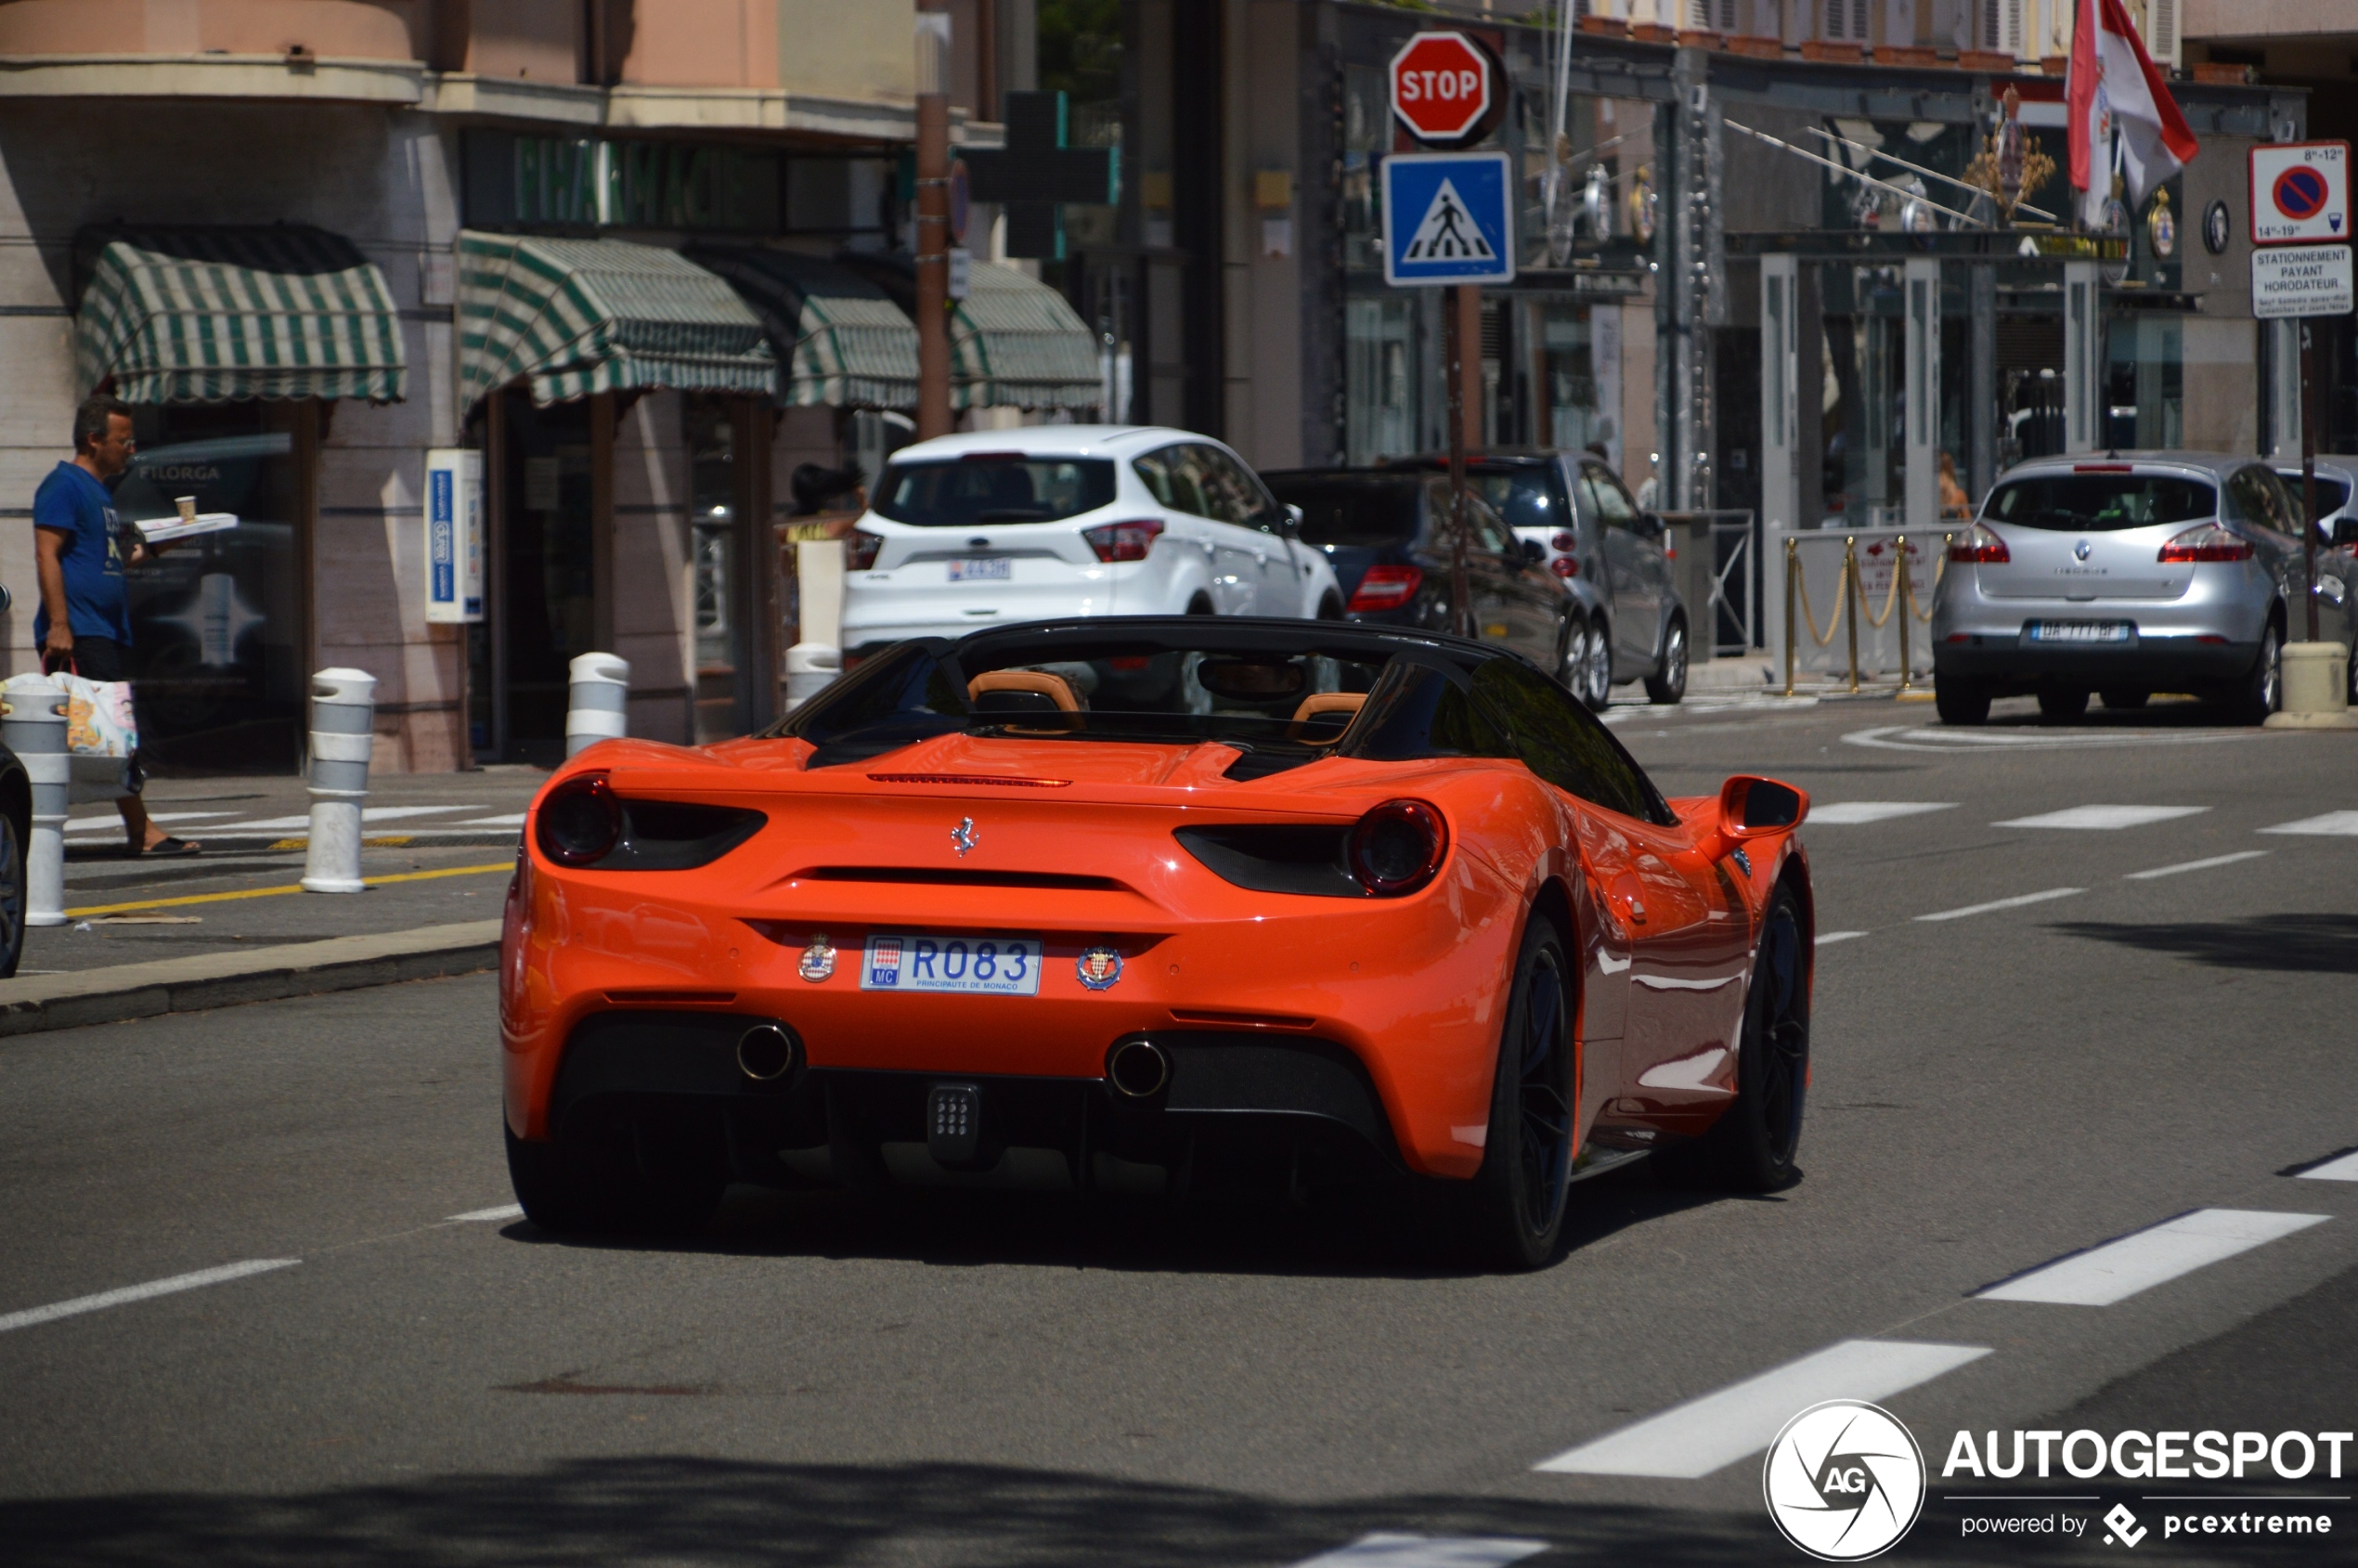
point(1596, 668)
point(1513, 1209)
point(1751, 1147)
point(1669, 683)
point(614, 1175)
point(14, 895)
point(2253, 697)
point(2123, 702)
point(1330, 608)
point(1960, 701)
point(1202, 605)
point(2353, 669)
point(2062, 705)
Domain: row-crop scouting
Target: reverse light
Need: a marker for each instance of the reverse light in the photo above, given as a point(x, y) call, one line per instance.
point(2209, 542)
point(860, 551)
point(1397, 848)
point(1123, 541)
point(1979, 545)
point(578, 822)
point(1385, 587)
point(1565, 566)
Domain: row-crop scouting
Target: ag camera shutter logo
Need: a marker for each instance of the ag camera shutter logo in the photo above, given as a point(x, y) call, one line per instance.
point(1844, 1480)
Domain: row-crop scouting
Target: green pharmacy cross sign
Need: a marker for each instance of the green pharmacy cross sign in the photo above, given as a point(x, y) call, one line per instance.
point(1036, 173)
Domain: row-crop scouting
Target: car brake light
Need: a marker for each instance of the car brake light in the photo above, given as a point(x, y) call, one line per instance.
point(1565, 566)
point(1397, 848)
point(2102, 468)
point(579, 821)
point(2209, 542)
point(1977, 544)
point(1385, 587)
point(1564, 542)
point(1123, 541)
point(860, 551)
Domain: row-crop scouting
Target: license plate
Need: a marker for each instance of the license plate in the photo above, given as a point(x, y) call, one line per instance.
point(2079, 631)
point(981, 568)
point(967, 966)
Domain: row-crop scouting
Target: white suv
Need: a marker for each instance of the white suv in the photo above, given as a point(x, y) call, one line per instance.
point(1004, 525)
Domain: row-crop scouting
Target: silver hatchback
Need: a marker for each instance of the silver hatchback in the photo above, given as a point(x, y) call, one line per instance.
point(2126, 575)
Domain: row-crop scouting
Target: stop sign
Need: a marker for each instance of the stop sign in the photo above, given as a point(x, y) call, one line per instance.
point(1440, 85)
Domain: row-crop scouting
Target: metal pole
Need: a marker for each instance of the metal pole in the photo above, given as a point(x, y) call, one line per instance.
point(933, 263)
point(2309, 475)
point(1850, 590)
point(1792, 560)
point(1453, 347)
point(1899, 564)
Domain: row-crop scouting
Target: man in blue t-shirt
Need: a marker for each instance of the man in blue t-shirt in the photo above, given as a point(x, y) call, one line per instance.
point(84, 624)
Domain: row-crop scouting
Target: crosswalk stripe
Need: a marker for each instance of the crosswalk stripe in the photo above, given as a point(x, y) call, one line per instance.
point(2104, 818)
point(1851, 813)
point(114, 819)
point(1689, 1441)
point(129, 1293)
point(2119, 1270)
point(2194, 865)
point(2342, 1170)
point(2333, 824)
point(1384, 1549)
point(2014, 903)
point(1825, 936)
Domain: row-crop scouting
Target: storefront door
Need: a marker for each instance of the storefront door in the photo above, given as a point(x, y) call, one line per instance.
point(546, 599)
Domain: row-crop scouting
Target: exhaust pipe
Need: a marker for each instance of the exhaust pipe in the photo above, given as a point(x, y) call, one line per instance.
point(768, 1052)
point(1138, 1069)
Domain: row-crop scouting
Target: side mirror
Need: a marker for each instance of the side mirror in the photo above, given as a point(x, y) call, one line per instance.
point(1749, 807)
point(1291, 526)
point(1649, 524)
point(7, 599)
point(1534, 552)
point(2345, 530)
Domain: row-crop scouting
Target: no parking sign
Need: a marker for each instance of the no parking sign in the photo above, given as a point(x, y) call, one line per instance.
point(2299, 191)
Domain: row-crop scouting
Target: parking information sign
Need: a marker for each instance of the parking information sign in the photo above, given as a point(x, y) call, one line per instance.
point(2301, 281)
point(2299, 192)
point(1447, 218)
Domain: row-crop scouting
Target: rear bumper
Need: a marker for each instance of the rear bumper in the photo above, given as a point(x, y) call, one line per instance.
point(2160, 664)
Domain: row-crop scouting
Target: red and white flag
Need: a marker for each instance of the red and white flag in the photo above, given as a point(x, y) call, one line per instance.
point(2113, 86)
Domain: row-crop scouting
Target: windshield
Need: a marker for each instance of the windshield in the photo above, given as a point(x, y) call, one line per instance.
point(1365, 510)
point(2100, 502)
point(993, 487)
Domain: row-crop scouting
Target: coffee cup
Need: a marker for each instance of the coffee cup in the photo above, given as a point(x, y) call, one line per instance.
point(187, 505)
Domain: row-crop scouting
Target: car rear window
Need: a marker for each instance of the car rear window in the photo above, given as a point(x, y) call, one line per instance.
point(994, 488)
point(1368, 513)
point(2096, 503)
point(2332, 494)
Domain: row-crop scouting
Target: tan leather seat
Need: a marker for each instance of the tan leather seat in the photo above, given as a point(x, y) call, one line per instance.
point(1039, 683)
point(1317, 703)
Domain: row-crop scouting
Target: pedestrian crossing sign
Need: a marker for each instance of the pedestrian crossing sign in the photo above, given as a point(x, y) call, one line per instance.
point(1448, 217)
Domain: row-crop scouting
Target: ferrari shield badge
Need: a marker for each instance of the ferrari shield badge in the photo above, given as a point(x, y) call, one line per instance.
point(963, 837)
point(818, 959)
point(1098, 967)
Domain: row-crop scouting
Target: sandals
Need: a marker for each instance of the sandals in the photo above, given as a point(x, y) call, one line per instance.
point(168, 847)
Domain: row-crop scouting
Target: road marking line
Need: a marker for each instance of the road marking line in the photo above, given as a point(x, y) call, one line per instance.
point(2104, 819)
point(1384, 1549)
point(130, 1293)
point(474, 1216)
point(296, 888)
point(2342, 1170)
point(1838, 937)
point(1850, 813)
point(2118, 1270)
point(2333, 824)
point(91, 824)
point(2194, 865)
point(2015, 903)
point(1689, 1441)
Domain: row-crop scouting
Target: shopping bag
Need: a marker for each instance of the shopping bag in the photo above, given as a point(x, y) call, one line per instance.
point(99, 720)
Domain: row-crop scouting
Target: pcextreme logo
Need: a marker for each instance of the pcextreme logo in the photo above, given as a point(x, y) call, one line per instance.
point(1844, 1480)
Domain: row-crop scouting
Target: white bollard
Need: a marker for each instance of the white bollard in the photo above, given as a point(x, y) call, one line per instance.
point(597, 700)
point(815, 661)
point(810, 668)
point(344, 714)
point(35, 730)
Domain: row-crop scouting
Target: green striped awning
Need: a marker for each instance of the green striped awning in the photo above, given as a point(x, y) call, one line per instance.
point(844, 344)
point(210, 314)
point(1015, 342)
point(586, 316)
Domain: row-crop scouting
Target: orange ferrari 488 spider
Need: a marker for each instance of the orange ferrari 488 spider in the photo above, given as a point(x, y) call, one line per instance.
point(1184, 904)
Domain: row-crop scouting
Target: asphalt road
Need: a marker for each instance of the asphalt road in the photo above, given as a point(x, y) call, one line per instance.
point(973, 1379)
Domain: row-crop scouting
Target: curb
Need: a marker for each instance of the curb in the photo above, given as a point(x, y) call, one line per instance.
point(226, 980)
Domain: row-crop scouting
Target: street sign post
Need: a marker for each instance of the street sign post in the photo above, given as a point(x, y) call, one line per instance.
point(1440, 85)
point(2300, 196)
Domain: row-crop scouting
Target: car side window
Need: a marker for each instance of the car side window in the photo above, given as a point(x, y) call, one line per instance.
point(1171, 474)
point(1563, 742)
point(1231, 492)
point(1615, 508)
point(1489, 532)
point(2247, 495)
point(2283, 505)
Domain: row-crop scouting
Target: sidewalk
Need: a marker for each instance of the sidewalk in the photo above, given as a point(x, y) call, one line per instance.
point(230, 925)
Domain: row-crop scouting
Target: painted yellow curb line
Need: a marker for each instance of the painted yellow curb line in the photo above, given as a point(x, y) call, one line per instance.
point(273, 892)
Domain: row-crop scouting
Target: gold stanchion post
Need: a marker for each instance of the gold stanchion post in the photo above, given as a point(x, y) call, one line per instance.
point(1858, 600)
point(1792, 558)
point(1899, 564)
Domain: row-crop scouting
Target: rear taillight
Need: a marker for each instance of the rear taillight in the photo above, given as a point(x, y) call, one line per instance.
point(1397, 848)
point(579, 822)
point(1979, 545)
point(2209, 542)
point(1565, 566)
point(1564, 542)
point(1385, 587)
point(1123, 541)
point(860, 550)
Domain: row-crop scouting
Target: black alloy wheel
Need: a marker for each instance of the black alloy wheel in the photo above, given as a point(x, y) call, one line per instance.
point(1751, 1147)
point(14, 896)
point(1960, 701)
point(1669, 683)
point(2250, 698)
point(1515, 1204)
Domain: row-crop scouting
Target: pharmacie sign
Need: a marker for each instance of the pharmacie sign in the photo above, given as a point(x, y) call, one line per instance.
point(598, 182)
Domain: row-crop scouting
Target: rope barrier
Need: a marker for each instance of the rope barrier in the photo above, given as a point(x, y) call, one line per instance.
point(1876, 623)
point(1939, 565)
point(1842, 597)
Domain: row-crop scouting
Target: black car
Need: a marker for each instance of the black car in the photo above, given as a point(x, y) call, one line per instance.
point(1393, 548)
point(15, 835)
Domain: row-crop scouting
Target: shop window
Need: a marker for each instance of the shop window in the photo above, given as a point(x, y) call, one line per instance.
point(1864, 461)
point(721, 626)
point(2144, 383)
point(219, 644)
point(1379, 380)
point(549, 576)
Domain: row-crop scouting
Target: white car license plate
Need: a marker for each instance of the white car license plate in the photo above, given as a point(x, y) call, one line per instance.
point(979, 568)
point(2079, 631)
point(967, 966)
